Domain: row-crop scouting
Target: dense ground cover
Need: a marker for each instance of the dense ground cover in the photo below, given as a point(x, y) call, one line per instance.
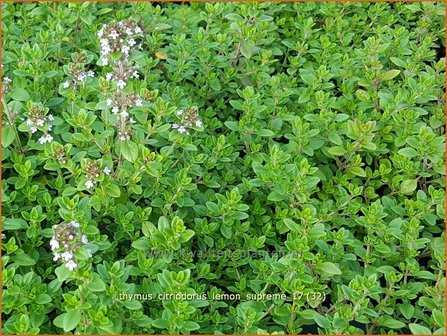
point(157, 158)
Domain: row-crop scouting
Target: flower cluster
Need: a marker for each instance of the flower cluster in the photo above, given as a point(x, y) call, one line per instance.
point(117, 40)
point(77, 72)
point(59, 153)
point(189, 118)
point(118, 37)
point(122, 102)
point(92, 171)
point(121, 74)
point(6, 85)
point(66, 241)
point(38, 120)
point(77, 79)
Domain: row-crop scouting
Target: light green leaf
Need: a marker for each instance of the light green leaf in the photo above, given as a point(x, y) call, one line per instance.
point(389, 322)
point(439, 317)
point(329, 268)
point(408, 152)
point(322, 321)
point(356, 171)
point(407, 310)
point(246, 49)
point(398, 62)
point(425, 275)
point(291, 224)
point(129, 149)
point(190, 325)
point(113, 190)
point(8, 136)
point(335, 138)
point(43, 298)
point(390, 74)
point(71, 319)
point(97, 285)
point(23, 260)
point(408, 186)
point(265, 133)
point(62, 273)
point(417, 329)
point(19, 94)
point(14, 224)
point(337, 150)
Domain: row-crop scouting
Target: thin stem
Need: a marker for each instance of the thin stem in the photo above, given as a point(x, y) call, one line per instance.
point(120, 159)
point(12, 124)
point(371, 327)
point(268, 310)
point(84, 314)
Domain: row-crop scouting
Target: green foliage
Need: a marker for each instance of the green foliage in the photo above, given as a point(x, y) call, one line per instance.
point(288, 149)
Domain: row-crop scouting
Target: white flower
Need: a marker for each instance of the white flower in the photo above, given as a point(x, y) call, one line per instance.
point(74, 224)
point(124, 114)
point(135, 74)
point(175, 125)
point(199, 123)
point(56, 256)
point(49, 138)
point(125, 49)
point(91, 73)
point(182, 129)
point(105, 49)
point(54, 244)
point(67, 255)
point(113, 34)
point(66, 84)
point(40, 122)
point(132, 121)
point(70, 237)
point(29, 122)
point(121, 84)
point(101, 32)
point(7, 80)
point(89, 184)
point(109, 76)
point(107, 170)
point(89, 251)
point(115, 109)
point(33, 130)
point(50, 117)
point(109, 102)
point(49, 127)
point(138, 102)
point(129, 31)
point(71, 265)
point(104, 61)
point(43, 139)
point(138, 30)
point(179, 112)
point(81, 76)
point(132, 42)
point(84, 239)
